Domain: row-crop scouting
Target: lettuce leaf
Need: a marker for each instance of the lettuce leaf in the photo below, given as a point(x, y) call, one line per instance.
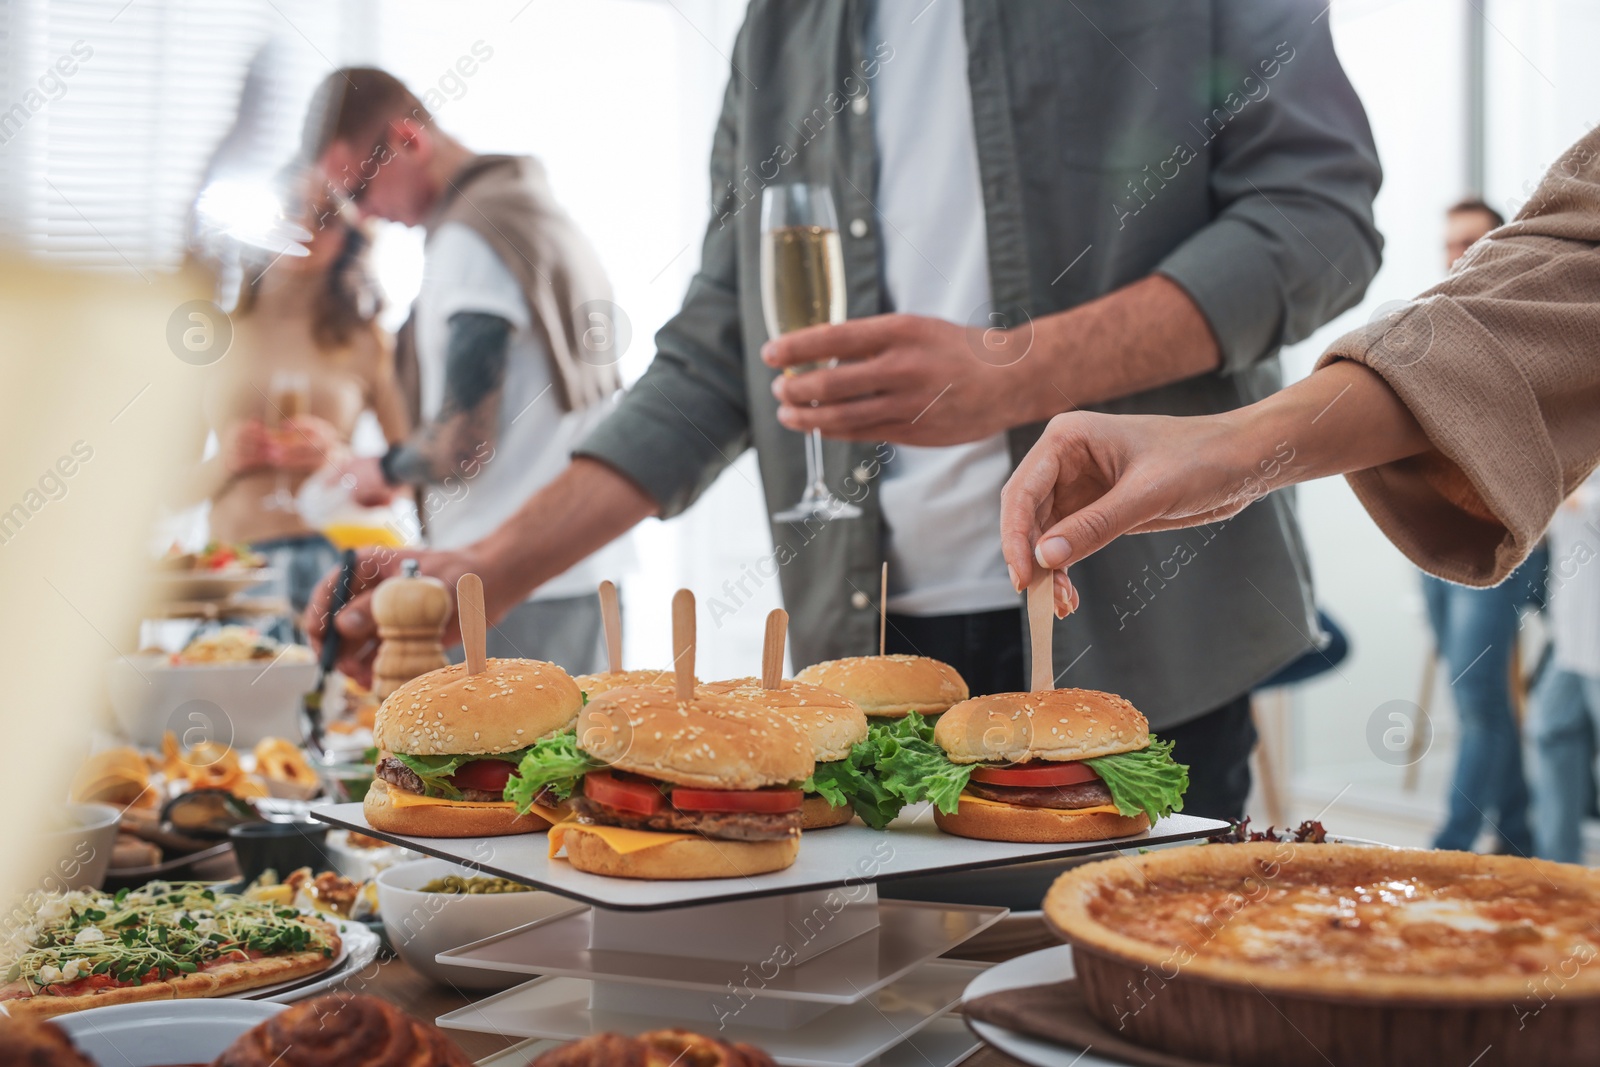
point(556, 763)
point(896, 764)
point(435, 771)
point(1148, 780)
point(914, 769)
point(852, 781)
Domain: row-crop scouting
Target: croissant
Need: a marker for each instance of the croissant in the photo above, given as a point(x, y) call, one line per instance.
point(658, 1048)
point(344, 1031)
point(36, 1043)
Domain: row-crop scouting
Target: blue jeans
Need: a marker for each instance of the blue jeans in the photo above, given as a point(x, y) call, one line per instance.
point(1566, 723)
point(1475, 629)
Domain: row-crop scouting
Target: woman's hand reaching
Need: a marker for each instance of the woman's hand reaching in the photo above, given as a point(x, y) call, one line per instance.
point(1093, 477)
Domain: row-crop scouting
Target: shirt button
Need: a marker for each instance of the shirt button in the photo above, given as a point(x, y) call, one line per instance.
point(859, 104)
point(859, 600)
point(858, 227)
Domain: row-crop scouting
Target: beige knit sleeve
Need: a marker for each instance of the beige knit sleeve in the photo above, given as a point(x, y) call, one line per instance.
point(1500, 364)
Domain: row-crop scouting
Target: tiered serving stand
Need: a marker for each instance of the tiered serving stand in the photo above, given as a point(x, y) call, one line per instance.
point(806, 962)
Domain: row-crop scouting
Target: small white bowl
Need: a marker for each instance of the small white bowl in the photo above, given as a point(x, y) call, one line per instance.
point(422, 925)
point(164, 1031)
point(234, 704)
point(81, 854)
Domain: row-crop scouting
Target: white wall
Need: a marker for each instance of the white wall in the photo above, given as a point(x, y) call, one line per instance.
point(1407, 60)
point(619, 99)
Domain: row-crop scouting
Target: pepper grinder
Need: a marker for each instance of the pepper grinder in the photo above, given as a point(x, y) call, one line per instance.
point(411, 612)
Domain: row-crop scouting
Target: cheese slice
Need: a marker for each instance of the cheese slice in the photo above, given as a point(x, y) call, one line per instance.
point(402, 799)
point(621, 840)
point(1098, 809)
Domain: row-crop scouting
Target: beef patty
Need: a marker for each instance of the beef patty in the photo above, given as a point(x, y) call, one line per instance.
point(724, 825)
point(400, 776)
point(1082, 795)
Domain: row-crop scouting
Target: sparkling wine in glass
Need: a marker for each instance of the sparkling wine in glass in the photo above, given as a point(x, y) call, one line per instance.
point(289, 398)
point(802, 284)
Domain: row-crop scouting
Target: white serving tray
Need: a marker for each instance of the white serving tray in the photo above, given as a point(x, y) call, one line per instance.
point(908, 935)
point(850, 855)
point(942, 1043)
point(896, 1017)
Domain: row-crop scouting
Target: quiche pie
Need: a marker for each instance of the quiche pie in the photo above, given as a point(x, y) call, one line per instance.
point(1285, 954)
point(87, 949)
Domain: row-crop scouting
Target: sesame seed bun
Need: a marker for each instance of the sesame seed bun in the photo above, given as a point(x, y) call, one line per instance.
point(890, 686)
point(703, 742)
point(1056, 724)
point(605, 681)
point(442, 818)
point(833, 722)
point(1013, 822)
point(693, 858)
point(449, 712)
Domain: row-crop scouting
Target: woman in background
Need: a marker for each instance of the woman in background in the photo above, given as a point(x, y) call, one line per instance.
point(308, 359)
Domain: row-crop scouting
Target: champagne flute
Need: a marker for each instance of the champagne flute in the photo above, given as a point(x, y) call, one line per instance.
point(802, 284)
point(289, 397)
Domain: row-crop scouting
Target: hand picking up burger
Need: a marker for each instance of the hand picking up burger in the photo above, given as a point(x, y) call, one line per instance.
point(664, 788)
point(833, 723)
point(1052, 765)
point(450, 741)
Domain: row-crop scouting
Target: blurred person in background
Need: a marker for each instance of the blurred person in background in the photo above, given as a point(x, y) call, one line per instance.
point(1566, 703)
point(507, 339)
point(1475, 632)
point(308, 358)
point(1028, 226)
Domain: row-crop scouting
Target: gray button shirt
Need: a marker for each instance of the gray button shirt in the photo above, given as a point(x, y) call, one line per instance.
point(1217, 143)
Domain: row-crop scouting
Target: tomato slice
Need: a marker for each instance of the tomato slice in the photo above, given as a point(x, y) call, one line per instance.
point(1038, 773)
point(490, 774)
point(624, 794)
point(756, 800)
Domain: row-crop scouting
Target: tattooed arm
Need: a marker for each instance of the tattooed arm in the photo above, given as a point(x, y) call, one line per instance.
point(475, 373)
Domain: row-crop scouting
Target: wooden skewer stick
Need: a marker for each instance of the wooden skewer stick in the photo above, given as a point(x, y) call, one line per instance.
point(683, 643)
point(474, 623)
point(883, 606)
point(611, 618)
point(772, 651)
point(1041, 620)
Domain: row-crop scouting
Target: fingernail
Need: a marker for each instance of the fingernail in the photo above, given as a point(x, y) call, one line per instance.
point(1052, 552)
point(767, 350)
point(1016, 583)
point(777, 387)
point(352, 619)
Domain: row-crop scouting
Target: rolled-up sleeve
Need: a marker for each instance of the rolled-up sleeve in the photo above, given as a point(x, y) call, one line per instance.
point(1293, 174)
point(687, 417)
point(1500, 365)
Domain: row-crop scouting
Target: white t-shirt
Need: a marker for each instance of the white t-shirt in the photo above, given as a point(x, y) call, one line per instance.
point(1574, 581)
point(534, 437)
point(941, 505)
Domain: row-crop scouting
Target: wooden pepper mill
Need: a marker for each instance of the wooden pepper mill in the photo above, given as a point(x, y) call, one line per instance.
point(410, 611)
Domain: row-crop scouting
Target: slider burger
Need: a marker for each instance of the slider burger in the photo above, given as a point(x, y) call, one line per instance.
point(833, 723)
point(890, 686)
point(664, 789)
point(1056, 765)
point(449, 742)
point(605, 681)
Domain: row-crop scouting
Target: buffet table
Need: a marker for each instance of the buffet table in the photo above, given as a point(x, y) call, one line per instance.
point(398, 983)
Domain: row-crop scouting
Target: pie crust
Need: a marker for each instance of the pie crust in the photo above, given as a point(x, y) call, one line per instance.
point(1285, 953)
